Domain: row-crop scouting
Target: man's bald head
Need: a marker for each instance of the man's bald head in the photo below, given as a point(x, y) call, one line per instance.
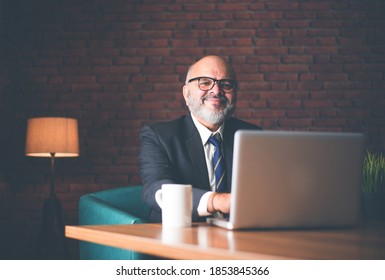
point(212, 65)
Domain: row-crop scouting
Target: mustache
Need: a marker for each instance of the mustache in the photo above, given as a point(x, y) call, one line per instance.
point(222, 98)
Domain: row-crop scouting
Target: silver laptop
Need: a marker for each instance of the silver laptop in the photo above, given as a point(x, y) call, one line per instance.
point(285, 179)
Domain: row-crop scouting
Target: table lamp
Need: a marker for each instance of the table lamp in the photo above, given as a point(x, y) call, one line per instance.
point(52, 137)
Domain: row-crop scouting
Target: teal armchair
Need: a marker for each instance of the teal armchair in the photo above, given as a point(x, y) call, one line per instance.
point(121, 205)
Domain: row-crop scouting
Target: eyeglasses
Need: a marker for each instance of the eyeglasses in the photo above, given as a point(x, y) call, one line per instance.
point(206, 83)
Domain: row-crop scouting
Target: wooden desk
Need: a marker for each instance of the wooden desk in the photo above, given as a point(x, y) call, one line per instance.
point(202, 241)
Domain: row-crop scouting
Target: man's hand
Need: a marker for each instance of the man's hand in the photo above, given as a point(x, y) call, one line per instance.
point(219, 202)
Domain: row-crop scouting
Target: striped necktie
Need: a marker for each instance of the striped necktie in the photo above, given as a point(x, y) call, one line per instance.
point(219, 164)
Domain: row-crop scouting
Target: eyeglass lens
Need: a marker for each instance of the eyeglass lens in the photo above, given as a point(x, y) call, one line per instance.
point(226, 85)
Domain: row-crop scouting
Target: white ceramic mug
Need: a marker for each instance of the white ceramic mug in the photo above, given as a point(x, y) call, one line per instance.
point(175, 200)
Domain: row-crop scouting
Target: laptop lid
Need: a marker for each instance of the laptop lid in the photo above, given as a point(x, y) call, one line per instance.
point(290, 179)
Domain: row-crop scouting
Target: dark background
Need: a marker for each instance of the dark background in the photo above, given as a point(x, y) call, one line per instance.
point(116, 65)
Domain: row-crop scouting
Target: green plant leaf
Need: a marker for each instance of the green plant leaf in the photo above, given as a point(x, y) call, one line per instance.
point(373, 179)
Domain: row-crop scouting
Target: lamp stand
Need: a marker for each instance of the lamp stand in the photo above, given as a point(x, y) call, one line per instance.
point(52, 244)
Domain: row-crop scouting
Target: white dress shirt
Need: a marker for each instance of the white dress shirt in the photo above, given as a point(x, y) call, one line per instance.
point(209, 150)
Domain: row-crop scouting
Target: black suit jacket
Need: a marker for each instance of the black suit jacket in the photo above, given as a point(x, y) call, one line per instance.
point(172, 152)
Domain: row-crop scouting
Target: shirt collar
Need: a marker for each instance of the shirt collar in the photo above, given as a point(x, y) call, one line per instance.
point(204, 132)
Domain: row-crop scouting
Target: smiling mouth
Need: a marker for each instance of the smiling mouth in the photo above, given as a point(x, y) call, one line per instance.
point(215, 100)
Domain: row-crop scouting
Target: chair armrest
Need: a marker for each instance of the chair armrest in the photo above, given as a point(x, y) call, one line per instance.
point(94, 211)
point(114, 206)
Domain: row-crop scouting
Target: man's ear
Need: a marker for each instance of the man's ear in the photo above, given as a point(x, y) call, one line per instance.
point(185, 94)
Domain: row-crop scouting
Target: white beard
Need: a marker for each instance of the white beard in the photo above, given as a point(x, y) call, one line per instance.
point(214, 117)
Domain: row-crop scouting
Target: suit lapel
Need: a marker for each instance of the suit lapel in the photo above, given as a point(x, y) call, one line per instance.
point(196, 153)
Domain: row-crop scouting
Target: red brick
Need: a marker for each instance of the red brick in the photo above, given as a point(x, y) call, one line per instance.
point(153, 8)
point(113, 78)
point(317, 6)
point(318, 104)
point(240, 24)
point(285, 103)
point(293, 68)
point(297, 122)
point(339, 85)
point(271, 50)
point(331, 77)
point(281, 77)
point(302, 113)
point(294, 24)
point(330, 122)
point(273, 33)
point(305, 85)
point(281, 6)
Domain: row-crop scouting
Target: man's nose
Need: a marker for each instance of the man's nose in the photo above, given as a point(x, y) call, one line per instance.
point(216, 88)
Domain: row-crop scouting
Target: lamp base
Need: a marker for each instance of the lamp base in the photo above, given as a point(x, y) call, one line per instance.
point(52, 242)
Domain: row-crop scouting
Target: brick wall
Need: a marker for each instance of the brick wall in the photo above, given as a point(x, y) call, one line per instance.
point(116, 65)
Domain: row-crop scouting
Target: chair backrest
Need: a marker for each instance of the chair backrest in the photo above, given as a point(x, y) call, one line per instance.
point(127, 199)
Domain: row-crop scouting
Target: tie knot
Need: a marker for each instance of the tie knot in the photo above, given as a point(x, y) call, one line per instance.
point(216, 140)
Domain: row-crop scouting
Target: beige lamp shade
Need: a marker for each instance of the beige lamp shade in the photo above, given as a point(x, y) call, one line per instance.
point(52, 135)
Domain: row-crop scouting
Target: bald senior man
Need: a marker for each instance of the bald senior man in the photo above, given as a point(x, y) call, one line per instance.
point(179, 151)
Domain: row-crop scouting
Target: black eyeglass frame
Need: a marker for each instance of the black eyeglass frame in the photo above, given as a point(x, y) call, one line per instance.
point(219, 82)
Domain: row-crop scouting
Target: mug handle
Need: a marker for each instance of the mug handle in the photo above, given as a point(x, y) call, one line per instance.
point(158, 197)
